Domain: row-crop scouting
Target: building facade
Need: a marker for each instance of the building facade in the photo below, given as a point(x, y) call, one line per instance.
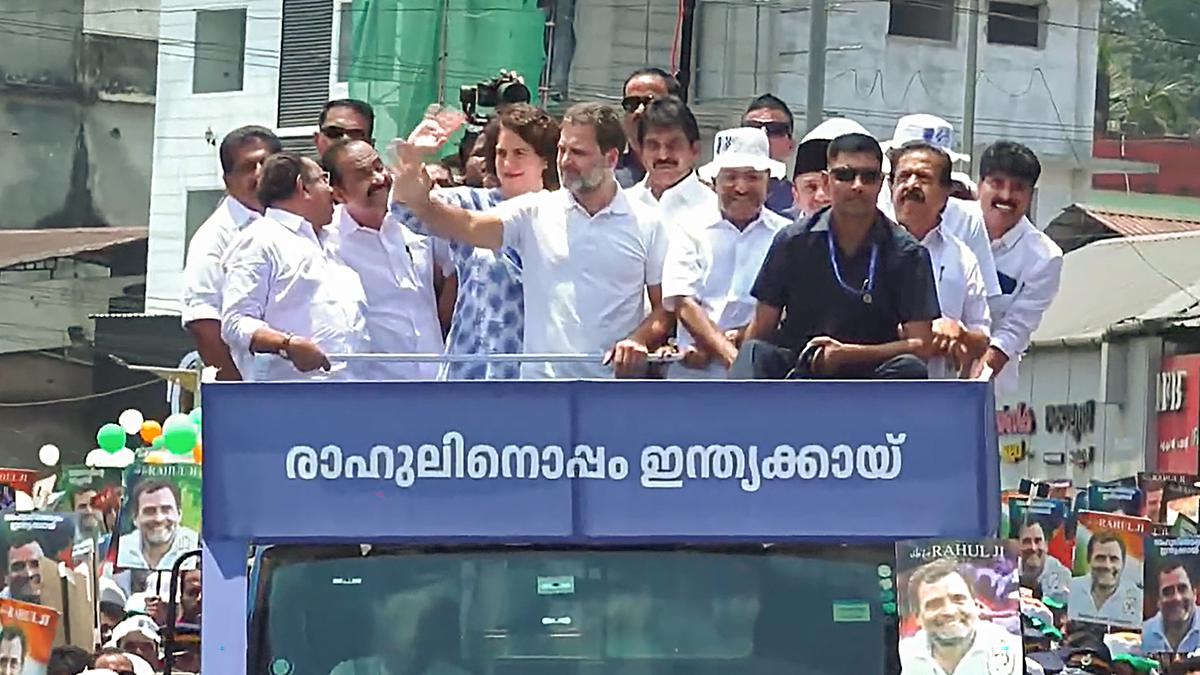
point(1036, 76)
point(225, 65)
point(77, 112)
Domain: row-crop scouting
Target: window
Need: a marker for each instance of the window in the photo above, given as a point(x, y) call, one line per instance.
point(200, 205)
point(728, 611)
point(930, 19)
point(1015, 23)
point(306, 53)
point(345, 41)
point(219, 61)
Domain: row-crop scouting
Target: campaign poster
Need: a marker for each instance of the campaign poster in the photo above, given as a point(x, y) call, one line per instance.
point(94, 494)
point(160, 516)
point(1152, 484)
point(1039, 527)
point(1174, 499)
point(1007, 498)
point(26, 637)
point(27, 539)
point(16, 486)
point(1107, 583)
point(960, 603)
point(1172, 570)
point(1123, 499)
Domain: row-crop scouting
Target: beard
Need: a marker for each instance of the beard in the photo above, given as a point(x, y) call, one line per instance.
point(586, 181)
point(159, 535)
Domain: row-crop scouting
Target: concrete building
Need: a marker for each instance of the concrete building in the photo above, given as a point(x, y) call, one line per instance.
point(221, 66)
point(1037, 68)
point(76, 112)
point(1108, 388)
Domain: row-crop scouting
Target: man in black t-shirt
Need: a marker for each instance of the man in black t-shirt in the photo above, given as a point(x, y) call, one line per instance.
point(846, 293)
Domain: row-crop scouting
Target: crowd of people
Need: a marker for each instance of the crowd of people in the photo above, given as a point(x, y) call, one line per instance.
point(600, 233)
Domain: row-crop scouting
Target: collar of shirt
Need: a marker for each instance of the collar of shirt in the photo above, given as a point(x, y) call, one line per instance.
point(294, 222)
point(618, 206)
point(687, 192)
point(1010, 238)
point(1156, 627)
point(879, 229)
point(241, 214)
point(758, 223)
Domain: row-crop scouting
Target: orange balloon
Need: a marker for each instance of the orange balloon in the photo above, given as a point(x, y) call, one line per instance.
point(150, 431)
point(198, 453)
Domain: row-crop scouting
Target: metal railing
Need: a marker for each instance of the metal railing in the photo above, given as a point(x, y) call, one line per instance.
point(494, 358)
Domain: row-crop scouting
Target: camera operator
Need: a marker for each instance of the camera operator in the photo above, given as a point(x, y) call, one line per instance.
point(489, 315)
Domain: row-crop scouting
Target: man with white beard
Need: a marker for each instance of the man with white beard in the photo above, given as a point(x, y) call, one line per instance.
point(952, 640)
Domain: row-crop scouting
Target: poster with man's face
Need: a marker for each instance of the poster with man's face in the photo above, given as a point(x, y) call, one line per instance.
point(26, 637)
point(1152, 484)
point(1172, 568)
point(94, 494)
point(1039, 527)
point(960, 604)
point(16, 485)
point(1107, 586)
point(27, 539)
point(160, 516)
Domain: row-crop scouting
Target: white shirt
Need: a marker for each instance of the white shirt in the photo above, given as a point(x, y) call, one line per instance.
point(202, 277)
point(962, 219)
point(278, 275)
point(995, 651)
point(1029, 267)
point(396, 267)
point(130, 556)
point(688, 202)
point(585, 276)
point(1054, 579)
point(960, 288)
point(716, 265)
point(1122, 608)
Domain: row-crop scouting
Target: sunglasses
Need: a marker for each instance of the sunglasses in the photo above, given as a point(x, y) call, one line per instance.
point(632, 103)
point(772, 128)
point(846, 174)
point(334, 133)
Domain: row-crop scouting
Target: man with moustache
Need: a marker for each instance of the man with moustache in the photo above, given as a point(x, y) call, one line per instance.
point(711, 265)
point(399, 268)
point(952, 639)
point(1105, 595)
point(641, 87)
point(1039, 569)
point(591, 256)
point(1175, 628)
point(846, 293)
point(242, 153)
point(1028, 263)
point(14, 650)
point(920, 187)
point(285, 296)
point(23, 579)
point(158, 539)
point(669, 138)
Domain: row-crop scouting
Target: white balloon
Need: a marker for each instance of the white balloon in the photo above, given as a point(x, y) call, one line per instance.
point(49, 454)
point(103, 458)
point(131, 421)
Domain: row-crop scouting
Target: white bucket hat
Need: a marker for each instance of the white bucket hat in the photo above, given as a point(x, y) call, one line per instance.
point(929, 128)
point(742, 148)
point(832, 128)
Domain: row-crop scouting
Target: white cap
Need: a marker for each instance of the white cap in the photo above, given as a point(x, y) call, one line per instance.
point(834, 127)
point(136, 604)
point(742, 148)
point(142, 625)
point(110, 592)
point(929, 128)
point(962, 177)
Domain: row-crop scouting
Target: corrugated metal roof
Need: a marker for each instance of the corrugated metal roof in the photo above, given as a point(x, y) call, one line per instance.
point(26, 246)
point(1132, 224)
point(1125, 280)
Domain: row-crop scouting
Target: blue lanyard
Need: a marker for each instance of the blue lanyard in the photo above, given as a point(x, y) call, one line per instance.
point(869, 284)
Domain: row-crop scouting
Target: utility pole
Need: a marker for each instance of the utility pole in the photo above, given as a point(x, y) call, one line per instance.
point(818, 36)
point(972, 76)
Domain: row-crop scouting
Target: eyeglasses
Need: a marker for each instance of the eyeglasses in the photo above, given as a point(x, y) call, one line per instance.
point(334, 133)
point(632, 103)
point(772, 128)
point(846, 174)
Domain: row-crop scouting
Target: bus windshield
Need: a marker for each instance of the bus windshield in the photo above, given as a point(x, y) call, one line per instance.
point(726, 610)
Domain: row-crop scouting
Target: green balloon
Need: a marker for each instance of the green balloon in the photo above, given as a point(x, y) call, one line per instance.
point(111, 437)
point(179, 434)
point(195, 416)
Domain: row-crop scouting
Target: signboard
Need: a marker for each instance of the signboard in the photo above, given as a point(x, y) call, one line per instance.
point(1177, 402)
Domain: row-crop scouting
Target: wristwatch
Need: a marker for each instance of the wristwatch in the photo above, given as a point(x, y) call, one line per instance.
point(283, 351)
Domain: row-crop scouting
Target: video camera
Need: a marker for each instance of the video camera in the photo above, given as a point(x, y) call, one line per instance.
point(507, 87)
